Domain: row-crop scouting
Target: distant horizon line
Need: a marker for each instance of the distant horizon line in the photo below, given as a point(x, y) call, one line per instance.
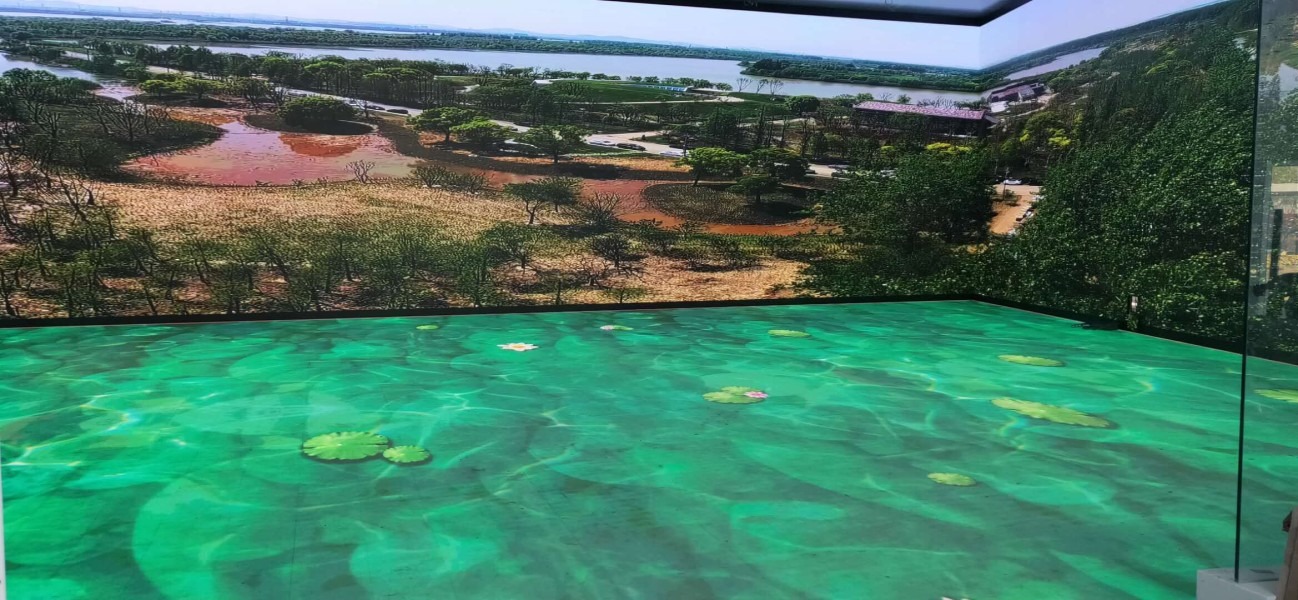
point(253, 18)
point(397, 28)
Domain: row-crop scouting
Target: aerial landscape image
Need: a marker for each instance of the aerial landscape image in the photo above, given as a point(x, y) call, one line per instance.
point(161, 158)
point(164, 161)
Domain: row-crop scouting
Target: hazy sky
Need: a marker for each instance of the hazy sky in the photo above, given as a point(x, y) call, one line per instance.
point(1053, 22)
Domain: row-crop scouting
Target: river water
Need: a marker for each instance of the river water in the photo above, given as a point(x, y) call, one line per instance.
point(716, 71)
point(8, 62)
point(1058, 64)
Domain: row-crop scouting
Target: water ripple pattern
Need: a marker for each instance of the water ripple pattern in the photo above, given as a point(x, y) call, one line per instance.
point(757, 453)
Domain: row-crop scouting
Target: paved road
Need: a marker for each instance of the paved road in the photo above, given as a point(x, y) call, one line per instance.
point(711, 100)
point(634, 138)
point(822, 171)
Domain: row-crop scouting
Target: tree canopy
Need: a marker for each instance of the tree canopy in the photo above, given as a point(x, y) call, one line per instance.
point(315, 111)
point(482, 133)
point(713, 162)
point(555, 141)
point(443, 119)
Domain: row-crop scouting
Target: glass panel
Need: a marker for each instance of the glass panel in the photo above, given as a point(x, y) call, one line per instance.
point(1269, 477)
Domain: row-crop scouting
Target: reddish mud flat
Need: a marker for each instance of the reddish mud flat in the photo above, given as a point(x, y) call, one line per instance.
point(246, 155)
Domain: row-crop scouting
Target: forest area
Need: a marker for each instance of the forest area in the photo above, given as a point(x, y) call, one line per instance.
point(1146, 160)
point(461, 40)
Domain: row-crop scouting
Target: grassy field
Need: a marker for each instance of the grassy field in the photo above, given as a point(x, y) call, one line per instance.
point(617, 91)
point(175, 210)
point(460, 80)
point(699, 267)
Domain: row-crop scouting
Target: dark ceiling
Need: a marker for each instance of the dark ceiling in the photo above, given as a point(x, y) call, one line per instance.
point(951, 12)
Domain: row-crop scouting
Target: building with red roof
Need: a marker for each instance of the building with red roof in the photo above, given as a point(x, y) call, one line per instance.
point(941, 120)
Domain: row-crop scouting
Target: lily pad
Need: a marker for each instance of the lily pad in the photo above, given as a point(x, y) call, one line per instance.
point(407, 455)
point(736, 395)
point(789, 333)
point(1280, 394)
point(1031, 361)
point(429, 327)
point(1052, 413)
point(345, 445)
point(955, 479)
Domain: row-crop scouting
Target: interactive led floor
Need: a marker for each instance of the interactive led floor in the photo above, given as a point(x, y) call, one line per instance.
point(879, 451)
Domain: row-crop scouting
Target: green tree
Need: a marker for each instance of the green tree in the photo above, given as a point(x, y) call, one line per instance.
point(783, 165)
point(513, 242)
point(482, 134)
point(754, 186)
point(555, 140)
point(556, 192)
point(801, 105)
point(713, 162)
point(443, 120)
point(947, 148)
point(315, 111)
point(198, 88)
point(911, 230)
point(722, 128)
point(615, 248)
point(157, 87)
point(931, 196)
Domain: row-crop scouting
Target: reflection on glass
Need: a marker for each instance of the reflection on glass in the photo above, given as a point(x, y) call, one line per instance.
point(1269, 477)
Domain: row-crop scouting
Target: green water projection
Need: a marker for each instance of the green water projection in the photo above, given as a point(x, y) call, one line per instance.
point(911, 450)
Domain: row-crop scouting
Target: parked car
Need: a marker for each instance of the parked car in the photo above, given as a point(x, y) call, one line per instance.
point(400, 111)
point(1013, 182)
point(629, 146)
point(672, 153)
point(606, 143)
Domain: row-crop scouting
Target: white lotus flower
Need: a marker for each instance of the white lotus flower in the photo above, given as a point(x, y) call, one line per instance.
point(518, 347)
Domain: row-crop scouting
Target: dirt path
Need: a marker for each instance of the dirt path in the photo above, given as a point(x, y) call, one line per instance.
point(1007, 215)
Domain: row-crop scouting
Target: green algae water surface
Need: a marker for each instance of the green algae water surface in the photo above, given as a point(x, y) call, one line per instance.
point(909, 451)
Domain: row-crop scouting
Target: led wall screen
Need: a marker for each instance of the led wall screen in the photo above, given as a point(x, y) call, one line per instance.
point(159, 162)
point(1087, 156)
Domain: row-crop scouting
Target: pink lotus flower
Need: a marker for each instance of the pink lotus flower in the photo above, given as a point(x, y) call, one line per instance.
point(608, 327)
point(758, 395)
point(518, 347)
